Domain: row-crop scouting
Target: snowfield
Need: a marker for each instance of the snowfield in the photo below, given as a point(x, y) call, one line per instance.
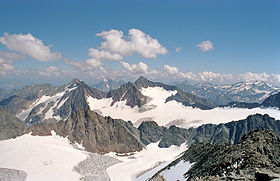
point(177, 172)
point(136, 164)
point(172, 112)
point(43, 158)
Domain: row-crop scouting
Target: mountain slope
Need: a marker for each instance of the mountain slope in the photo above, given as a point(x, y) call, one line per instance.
point(10, 126)
point(255, 157)
point(132, 93)
point(96, 133)
point(272, 101)
point(229, 133)
point(47, 103)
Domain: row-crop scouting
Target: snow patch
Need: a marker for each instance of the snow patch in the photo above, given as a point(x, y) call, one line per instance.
point(177, 172)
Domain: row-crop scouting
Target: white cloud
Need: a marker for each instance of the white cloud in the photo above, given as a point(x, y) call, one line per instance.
point(6, 62)
point(28, 45)
point(93, 63)
point(102, 54)
point(171, 70)
point(6, 67)
point(205, 46)
point(178, 49)
point(136, 42)
point(50, 71)
point(140, 68)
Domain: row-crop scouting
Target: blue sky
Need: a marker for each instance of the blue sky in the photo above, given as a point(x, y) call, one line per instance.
point(244, 40)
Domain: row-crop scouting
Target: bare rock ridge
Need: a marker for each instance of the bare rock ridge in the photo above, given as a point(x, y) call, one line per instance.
point(96, 133)
point(132, 93)
point(11, 127)
point(229, 133)
point(255, 157)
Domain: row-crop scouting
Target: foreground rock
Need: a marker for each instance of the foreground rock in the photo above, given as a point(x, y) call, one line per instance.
point(255, 157)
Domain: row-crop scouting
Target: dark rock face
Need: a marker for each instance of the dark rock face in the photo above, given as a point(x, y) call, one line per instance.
point(257, 149)
point(130, 93)
point(97, 133)
point(229, 133)
point(10, 126)
point(272, 101)
point(256, 156)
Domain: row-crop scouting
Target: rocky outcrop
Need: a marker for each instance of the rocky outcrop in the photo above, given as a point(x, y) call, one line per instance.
point(255, 157)
point(229, 133)
point(272, 101)
point(96, 133)
point(11, 127)
point(132, 93)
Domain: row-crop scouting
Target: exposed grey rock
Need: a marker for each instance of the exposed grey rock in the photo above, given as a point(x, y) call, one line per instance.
point(12, 175)
point(10, 126)
point(229, 133)
point(255, 157)
point(97, 133)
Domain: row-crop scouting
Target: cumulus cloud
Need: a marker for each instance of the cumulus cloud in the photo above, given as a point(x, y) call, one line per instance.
point(93, 62)
point(140, 68)
point(28, 45)
point(50, 71)
point(102, 54)
point(171, 70)
point(6, 62)
point(136, 42)
point(205, 46)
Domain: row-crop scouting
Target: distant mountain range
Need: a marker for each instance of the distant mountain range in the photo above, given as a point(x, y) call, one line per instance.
point(249, 92)
point(107, 84)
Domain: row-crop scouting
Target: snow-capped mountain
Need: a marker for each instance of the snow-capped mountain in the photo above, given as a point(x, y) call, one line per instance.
point(249, 92)
point(107, 84)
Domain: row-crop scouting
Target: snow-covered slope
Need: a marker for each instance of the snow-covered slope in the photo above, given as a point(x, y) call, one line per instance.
point(172, 112)
point(46, 106)
point(41, 157)
point(135, 164)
